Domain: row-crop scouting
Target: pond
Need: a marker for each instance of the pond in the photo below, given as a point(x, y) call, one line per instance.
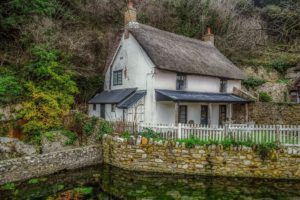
point(107, 182)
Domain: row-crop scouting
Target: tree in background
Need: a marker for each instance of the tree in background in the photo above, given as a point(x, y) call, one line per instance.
point(50, 92)
point(10, 89)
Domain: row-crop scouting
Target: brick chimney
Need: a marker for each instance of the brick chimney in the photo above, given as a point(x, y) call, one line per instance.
point(130, 14)
point(209, 37)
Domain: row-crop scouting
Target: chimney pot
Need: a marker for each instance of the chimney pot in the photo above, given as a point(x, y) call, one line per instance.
point(208, 30)
point(209, 37)
point(130, 13)
point(130, 4)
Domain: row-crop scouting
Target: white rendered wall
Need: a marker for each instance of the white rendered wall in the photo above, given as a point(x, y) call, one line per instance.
point(165, 112)
point(233, 83)
point(92, 112)
point(135, 65)
point(197, 83)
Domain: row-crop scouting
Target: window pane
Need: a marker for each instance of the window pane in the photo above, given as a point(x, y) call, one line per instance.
point(180, 82)
point(117, 77)
point(182, 114)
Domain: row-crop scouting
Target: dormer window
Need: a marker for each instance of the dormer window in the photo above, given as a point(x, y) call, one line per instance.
point(223, 86)
point(117, 77)
point(181, 82)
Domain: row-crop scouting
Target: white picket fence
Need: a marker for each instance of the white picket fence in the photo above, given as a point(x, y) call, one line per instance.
point(288, 135)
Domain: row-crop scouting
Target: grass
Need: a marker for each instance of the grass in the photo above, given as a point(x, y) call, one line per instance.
point(8, 186)
point(84, 190)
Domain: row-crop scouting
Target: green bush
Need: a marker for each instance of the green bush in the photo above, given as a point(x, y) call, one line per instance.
point(125, 135)
point(89, 126)
point(264, 97)
point(84, 190)
point(10, 89)
point(72, 137)
point(8, 186)
point(253, 82)
point(104, 128)
point(149, 133)
point(264, 149)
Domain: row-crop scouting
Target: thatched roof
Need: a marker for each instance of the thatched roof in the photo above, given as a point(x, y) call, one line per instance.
point(177, 53)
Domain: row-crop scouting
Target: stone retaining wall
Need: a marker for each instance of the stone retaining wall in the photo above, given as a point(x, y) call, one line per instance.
point(212, 160)
point(44, 164)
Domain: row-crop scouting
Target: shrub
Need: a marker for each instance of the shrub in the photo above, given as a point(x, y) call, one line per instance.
point(149, 133)
point(126, 135)
point(84, 190)
point(8, 186)
point(33, 181)
point(72, 137)
point(104, 128)
point(89, 126)
point(264, 149)
point(264, 97)
point(253, 83)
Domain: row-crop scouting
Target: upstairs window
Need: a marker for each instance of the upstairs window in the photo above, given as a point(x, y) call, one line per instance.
point(94, 107)
point(181, 82)
point(223, 86)
point(117, 77)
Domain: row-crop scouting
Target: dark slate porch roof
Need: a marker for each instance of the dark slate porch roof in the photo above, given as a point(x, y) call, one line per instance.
point(130, 101)
point(186, 96)
point(112, 96)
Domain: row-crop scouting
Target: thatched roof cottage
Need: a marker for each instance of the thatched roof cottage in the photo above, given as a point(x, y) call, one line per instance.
point(160, 77)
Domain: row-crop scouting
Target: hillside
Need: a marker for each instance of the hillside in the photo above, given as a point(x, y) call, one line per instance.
point(53, 52)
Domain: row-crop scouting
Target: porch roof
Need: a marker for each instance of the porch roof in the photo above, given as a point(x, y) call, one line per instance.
point(131, 100)
point(112, 96)
point(187, 96)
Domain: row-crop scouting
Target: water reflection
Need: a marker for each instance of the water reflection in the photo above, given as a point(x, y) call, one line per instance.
point(106, 182)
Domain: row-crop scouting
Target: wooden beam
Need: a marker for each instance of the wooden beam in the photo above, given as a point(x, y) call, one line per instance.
point(209, 113)
point(230, 113)
point(176, 112)
point(246, 113)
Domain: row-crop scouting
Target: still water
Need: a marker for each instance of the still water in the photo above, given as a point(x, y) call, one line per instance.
point(106, 182)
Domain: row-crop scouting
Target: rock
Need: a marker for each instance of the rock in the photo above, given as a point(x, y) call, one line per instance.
point(25, 149)
point(159, 160)
point(150, 141)
point(138, 140)
point(144, 156)
point(55, 141)
point(144, 141)
point(131, 140)
point(185, 166)
point(247, 162)
point(12, 145)
point(140, 151)
point(199, 166)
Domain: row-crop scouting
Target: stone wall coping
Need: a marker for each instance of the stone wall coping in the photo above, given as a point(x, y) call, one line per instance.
point(292, 150)
point(51, 153)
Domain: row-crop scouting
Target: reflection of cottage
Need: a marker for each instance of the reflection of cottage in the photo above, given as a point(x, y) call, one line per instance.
point(156, 76)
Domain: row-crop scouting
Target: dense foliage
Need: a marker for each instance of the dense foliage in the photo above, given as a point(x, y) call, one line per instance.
point(253, 82)
point(264, 97)
point(49, 92)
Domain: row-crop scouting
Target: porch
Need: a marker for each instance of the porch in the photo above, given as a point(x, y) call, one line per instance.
point(197, 108)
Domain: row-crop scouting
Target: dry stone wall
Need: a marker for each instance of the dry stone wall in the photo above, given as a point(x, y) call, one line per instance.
point(203, 160)
point(44, 164)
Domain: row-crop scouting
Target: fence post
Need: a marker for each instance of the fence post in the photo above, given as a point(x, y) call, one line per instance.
point(278, 133)
point(226, 127)
point(179, 131)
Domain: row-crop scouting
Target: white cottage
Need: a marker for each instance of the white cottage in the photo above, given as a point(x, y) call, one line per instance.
point(156, 76)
